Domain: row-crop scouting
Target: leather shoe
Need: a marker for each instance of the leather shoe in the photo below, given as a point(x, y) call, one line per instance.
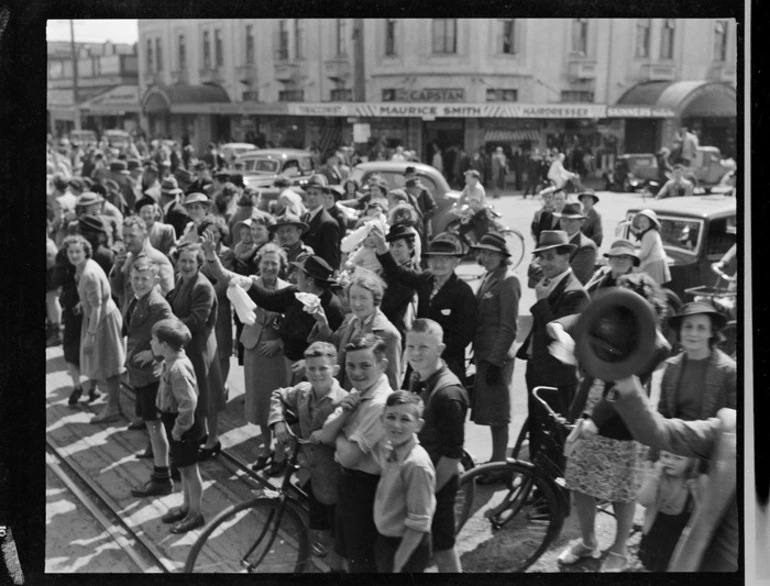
point(174, 515)
point(75, 396)
point(146, 454)
point(203, 440)
point(136, 425)
point(188, 524)
point(153, 487)
point(261, 462)
point(276, 468)
point(208, 453)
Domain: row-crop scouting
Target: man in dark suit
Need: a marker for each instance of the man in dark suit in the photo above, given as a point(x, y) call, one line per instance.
point(323, 235)
point(331, 170)
point(173, 211)
point(583, 258)
point(558, 293)
point(333, 195)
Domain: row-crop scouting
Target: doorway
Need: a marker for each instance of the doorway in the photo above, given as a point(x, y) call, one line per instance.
point(642, 136)
point(446, 133)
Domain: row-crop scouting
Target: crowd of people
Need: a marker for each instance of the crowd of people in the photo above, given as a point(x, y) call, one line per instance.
point(361, 328)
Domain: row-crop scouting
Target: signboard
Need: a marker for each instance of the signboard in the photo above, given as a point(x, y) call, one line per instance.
point(423, 95)
point(558, 110)
point(639, 112)
point(361, 132)
point(301, 109)
point(481, 110)
point(120, 98)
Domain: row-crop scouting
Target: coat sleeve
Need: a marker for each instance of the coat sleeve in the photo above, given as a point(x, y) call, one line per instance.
point(400, 274)
point(508, 314)
point(166, 274)
point(278, 301)
point(330, 236)
point(583, 262)
point(201, 307)
point(646, 249)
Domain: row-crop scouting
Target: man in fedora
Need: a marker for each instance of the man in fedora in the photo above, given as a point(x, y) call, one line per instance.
point(323, 233)
point(592, 227)
point(288, 230)
point(120, 174)
point(583, 258)
point(425, 203)
point(331, 197)
point(559, 293)
point(173, 211)
point(441, 295)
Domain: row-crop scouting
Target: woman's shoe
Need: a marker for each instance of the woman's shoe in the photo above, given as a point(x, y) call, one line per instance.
point(188, 524)
point(276, 468)
point(93, 395)
point(146, 454)
point(208, 453)
point(576, 551)
point(75, 396)
point(614, 563)
point(174, 515)
point(203, 440)
point(261, 462)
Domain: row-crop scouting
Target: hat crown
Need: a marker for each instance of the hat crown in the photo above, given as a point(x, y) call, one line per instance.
point(169, 183)
point(446, 244)
point(317, 180)
point(572, 209)
point(494, 239)
point(287, 218)
point(553, 238)
point(91, 223)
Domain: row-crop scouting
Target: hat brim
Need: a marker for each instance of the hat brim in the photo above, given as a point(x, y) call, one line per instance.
point(637, 260)
point(490, 247)
point(655, 221)
point(571, 247)
point(174, 191)
point(582, 195)
point(320, 280)
point(206, 202)
point(586, 343)
point(717, 319)
point(569, 216)
point(301, 225)
point(437, 253)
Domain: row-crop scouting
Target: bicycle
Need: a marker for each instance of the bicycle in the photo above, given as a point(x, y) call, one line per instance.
point(271, 530)
point(506, 529)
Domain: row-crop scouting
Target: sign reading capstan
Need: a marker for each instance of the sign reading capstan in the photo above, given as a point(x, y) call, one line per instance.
point(423, 95)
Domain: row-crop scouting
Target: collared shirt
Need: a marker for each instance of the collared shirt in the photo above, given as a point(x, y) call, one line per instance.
point(311, 214)
point(178, 391)
point(554, 281)
point(364, 427)
point(405, 497)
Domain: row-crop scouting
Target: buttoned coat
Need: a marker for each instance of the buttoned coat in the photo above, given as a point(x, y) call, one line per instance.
point(148, 310)
point(323, 236)
point(592, 227)
point(498, 312)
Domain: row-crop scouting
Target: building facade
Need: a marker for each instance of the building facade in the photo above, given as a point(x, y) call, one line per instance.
point(609, 85)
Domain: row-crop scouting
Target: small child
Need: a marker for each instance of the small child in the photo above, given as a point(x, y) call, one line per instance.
point(405, 500)
point(670, 492)
point(313, 402)
point(245, 248)
point(177, 400)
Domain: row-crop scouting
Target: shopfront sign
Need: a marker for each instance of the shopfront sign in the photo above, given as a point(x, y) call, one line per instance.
point(118, 99)
point(557, 110)
point(300, 109)
point(423, 95)
point(639, 112)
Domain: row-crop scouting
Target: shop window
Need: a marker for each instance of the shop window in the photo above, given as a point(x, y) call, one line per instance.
point(506, 36)
point(341, 37)
point(158, 56)
point(249, 44)
point(282, 48)
point(445, 35)
point(218, 56)
point(720, 40)
point(580, 96)
point(667, 39)
point(291, 96)
point(299, 38)
point(206, 51)
point(341, 95)
point(390, 37)
point(502, 95)
point(643, 37)
point(182, 53)
point(150, 59)
point(580, 36)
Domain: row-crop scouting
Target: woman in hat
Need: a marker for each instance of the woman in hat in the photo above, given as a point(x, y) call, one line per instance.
point(197, 206)
point(652, 255)
point(605, 464)
point(622, 259)
point(399, 303)
point(92, 228)
point(498, 310)
point(102, 356)
point(592, 227)
point(162, 236)
point(194, 301)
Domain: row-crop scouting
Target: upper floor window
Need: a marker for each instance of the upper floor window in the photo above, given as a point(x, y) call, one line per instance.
point(283, 41)
point(150, 59)
point(667, 39)
point(158, 56)
point(218, 56)
point(507, 40)
point(643, 37)
point(390, 37)
point(341, 36)
point(206, 50)
point(720, 40)
point(299, 38)
point(249, 44)
point(182, 53)
point(445, 35)
point(580, 36)
point(502, 95)
point(577, 96)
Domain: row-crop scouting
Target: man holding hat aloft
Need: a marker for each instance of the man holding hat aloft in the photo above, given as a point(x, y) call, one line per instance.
point(592, 227)
point(441, 295)
point(583, 258)
point(559, 293)
point(288, 230)
point(323, 233)
point(172, 210)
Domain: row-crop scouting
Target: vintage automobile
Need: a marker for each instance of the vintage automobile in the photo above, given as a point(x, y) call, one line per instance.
point(117, 138)
point(262, 166)
point(696, 231)
point(82, 137)
point(232, 150)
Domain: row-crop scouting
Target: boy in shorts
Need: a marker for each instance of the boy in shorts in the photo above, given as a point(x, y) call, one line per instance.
point(146, 309)
point(177, 399)
point(405, 499)
point(313, 401)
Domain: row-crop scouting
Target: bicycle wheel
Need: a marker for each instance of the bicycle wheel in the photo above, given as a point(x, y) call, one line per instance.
point(261, 535)
point(516, 246)
point(466, 494)
point(510, 524)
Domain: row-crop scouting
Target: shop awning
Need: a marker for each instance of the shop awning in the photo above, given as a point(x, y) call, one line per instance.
point(685, 98)
point(169, 98)
point(506, 135)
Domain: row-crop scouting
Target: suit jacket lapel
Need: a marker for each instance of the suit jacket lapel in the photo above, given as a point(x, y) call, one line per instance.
point(487, 286)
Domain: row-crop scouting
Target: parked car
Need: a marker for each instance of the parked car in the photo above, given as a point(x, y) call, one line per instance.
point(262, 166)
point(696, 231)
point(434, 181)
point(232, 150)
point(82, 137)
point(117, 138)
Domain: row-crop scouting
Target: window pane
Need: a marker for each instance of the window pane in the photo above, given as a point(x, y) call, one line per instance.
point(182, 53)
point(206, 51)
point(150, 60)
point(158, 56)
point(508, 46)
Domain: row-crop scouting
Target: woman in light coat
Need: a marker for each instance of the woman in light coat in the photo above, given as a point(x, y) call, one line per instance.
point(652, 255)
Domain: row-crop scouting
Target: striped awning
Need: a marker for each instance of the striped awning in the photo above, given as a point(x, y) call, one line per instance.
point(506, 135)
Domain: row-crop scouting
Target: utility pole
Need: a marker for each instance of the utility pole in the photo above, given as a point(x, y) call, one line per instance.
point(359, 73)
point(75, 103)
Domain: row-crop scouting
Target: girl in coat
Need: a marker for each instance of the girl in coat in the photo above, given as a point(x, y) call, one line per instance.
point(652, 256)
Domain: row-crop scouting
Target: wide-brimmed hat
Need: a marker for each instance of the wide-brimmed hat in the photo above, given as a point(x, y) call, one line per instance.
point(651, 215)
point(695, 308)
point(381, 183)
point(399, 231)
point(144, 201)
point(317, 268)
point(90, 224)
point(119, 167)
point(197, 197)
point(571, 211)
point(473, 173)
point(77, 184)
point(445, 244)
point(550, 239)
point(222, 175)
point(318, 181)
point(588, 194)
point(132, 164)
point(88, 198)
point(494, 242)
point(170, 186)
point(615, 334)
point(623, 247)
point(289, 220)
point(151, 166)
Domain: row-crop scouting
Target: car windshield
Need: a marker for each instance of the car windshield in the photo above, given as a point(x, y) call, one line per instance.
point(260, 165)
point(393, 179)
point(680, 234)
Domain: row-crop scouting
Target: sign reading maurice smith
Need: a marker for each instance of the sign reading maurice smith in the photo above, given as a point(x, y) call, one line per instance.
point(423, 95)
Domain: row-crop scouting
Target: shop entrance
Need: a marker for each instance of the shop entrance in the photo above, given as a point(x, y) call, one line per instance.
point(446, 133)
point(642, 135)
